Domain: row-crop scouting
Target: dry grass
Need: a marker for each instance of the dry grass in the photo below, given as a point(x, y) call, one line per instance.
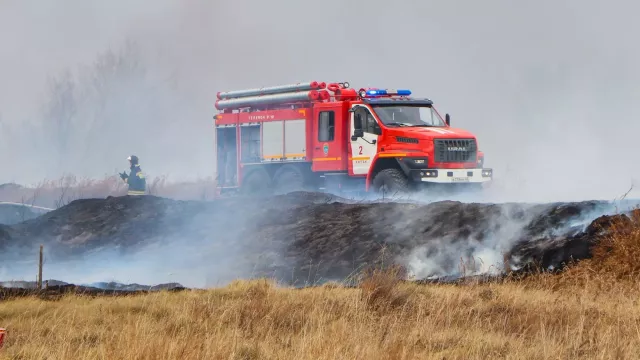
point(255, 320)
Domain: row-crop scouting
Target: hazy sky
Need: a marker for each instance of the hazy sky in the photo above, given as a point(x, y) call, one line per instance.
point(549, 87)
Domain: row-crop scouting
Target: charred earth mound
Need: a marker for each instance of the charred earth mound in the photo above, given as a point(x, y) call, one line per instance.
point(297, 238)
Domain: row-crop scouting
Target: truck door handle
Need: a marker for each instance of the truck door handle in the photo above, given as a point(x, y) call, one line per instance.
point(318, 148)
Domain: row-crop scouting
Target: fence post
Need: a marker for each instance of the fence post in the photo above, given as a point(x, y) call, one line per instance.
point(40, 269)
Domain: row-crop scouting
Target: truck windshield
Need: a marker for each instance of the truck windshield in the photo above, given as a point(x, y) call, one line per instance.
point(408, 116)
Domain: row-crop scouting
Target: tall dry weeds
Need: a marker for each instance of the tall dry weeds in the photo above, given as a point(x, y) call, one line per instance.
point(258, 320)
point(382, 290)
point(617, 255)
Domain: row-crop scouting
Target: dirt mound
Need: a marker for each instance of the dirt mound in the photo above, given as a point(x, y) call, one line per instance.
point(307, 237)
point(433, 239)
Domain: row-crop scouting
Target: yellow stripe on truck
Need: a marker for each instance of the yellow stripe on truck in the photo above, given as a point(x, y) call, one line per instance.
point(295, 155)
point(327, 159)
point(391, 155)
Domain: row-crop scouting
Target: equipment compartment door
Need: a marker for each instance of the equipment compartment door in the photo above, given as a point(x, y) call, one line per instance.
point(295, 140)
point(327, 139)
point(365, 147)
point(273, 141)
point(227, 150)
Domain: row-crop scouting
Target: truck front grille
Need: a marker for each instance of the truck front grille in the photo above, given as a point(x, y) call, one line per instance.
point(455, 150)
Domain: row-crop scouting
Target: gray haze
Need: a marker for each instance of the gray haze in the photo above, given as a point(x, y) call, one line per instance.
point(197, 246)
point(549, 87)
point(212, 248)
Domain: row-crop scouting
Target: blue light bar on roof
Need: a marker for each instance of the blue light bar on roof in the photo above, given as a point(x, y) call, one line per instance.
point(388, 92)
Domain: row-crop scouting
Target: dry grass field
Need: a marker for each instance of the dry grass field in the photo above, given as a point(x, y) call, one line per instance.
point(589, 311)
point(255, 320)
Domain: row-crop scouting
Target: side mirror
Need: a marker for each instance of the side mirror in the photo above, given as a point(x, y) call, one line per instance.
point(357, 133)
point(447, 119)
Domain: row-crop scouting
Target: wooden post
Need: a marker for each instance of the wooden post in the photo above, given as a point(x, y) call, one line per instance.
point(40, 270)
point(506, 263)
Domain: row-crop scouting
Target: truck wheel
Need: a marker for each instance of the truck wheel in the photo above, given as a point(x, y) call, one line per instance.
point(391, 182)
point(288, 179)
point(257, 182)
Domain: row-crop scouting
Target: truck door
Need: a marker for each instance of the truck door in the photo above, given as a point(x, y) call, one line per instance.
point(328, 141)
point(364, 131)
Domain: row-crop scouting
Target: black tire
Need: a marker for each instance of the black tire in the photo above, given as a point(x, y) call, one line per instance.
point(288, 179)
point(390, 182)
point(256, 182)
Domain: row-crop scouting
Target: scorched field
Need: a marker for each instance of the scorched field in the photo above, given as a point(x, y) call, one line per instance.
point(309, 276)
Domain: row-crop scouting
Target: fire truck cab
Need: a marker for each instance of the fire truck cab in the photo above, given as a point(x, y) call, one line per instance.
point(318, 137)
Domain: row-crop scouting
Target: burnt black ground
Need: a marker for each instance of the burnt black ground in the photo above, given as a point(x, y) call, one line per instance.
point(307, 237)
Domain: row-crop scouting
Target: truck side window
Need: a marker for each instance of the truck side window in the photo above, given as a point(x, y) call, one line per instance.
point(357, 121)
point(371, 124)
point(360, 119)
point(326, 126)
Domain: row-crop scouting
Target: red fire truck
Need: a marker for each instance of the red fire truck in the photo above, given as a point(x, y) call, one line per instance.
point(331, 137)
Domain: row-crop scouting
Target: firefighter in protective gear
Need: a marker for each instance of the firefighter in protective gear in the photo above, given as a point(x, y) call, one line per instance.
point(135, 180)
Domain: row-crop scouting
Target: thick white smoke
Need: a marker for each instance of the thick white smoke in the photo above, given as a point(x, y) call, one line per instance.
point(188, 263)
point(196, 246)
point(470, 255)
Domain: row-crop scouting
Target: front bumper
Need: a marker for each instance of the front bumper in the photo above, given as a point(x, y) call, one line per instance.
point(452, 176)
